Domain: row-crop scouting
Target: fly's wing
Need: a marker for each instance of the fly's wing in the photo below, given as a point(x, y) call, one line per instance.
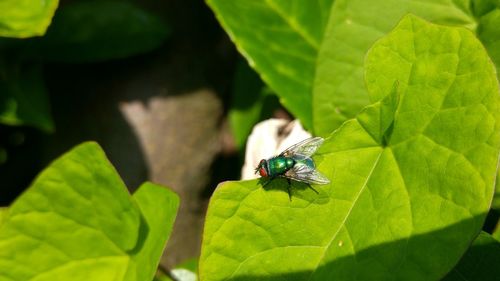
point(303, 149)
point(306, 174)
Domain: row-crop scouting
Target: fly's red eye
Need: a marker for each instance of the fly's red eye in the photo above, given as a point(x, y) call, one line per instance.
point(262, 172)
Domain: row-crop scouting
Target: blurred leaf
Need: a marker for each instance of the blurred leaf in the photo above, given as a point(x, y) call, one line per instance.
point(482, 7)
point(25, 18)
point(185, 271)
point(3, 215)
point(77, 222)
point(251, 103)
point(355, 25)
point(191, 264)
point(495, 204)
point(487, 14)
point(161, 277)
point(403, 204)
point(92, 31)
point(280, 39)
point(182, 274)
point(3, 155)
point(496, 232)
point(480, 262)
point(488, 32)
point(246, 104)
point(23, 97)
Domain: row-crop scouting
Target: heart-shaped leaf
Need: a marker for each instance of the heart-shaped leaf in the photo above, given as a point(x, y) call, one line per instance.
point(77, 222)
point(354, 25)
point(412, 176)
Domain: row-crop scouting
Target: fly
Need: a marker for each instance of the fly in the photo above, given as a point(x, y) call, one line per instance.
point(295, 163)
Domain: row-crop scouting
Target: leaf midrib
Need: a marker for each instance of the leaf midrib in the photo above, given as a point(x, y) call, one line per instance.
point(294, 26)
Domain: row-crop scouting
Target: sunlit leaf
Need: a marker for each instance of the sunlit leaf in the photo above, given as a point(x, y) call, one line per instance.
point(280, 39)
point(78, 222)
point(25, 18)
point(408, 193)
point(354, 25)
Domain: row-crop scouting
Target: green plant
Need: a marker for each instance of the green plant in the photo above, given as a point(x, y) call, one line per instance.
point(311, 53)
point(479, 262)
point(81, 32)
point(410, 108)
point(412, 175)
point(77, 222)
point(25, 18)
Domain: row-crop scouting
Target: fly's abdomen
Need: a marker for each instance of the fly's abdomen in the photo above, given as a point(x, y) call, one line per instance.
point(279, 165)
point(308, 162)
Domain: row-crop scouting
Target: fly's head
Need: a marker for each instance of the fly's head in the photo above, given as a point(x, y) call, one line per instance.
point(262, 168)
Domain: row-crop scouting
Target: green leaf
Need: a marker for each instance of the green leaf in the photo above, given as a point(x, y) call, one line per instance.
point(495, 204)
point(186, 271)
point(23, 97)
point(3, 214)
point(25, 18)
point(190, 264)
point(480, 262)
point(93, 31)
point(251, 103)
point(280, 39)
point(402, 205)
point(158, 206)
point(496, 232)
point(489, 34)
point(353, 27)
point(482, 7)
point(247, 102)
point(77, 222)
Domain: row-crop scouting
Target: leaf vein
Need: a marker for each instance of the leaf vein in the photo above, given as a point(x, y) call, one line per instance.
point(342, 224)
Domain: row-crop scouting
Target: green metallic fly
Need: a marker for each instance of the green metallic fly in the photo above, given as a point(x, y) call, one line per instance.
point(294, 163)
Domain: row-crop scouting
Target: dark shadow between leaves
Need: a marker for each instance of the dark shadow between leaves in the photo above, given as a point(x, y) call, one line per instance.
point(141, 237)
point(393, 261)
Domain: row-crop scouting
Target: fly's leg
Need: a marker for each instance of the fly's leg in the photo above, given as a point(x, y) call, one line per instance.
point(312, 188)
point(267, 181)
point(288, 189)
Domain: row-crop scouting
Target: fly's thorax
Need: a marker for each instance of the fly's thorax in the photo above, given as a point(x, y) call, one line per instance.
point(279, 165)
